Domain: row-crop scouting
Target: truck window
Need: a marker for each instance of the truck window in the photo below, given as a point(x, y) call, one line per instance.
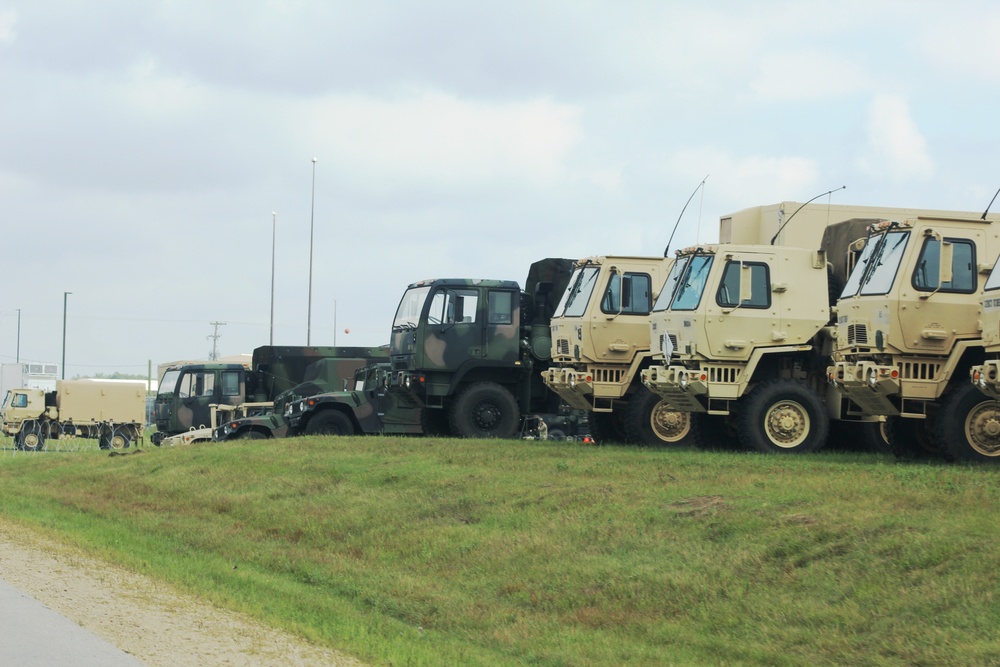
point(501, 307)
point(20, 401)
point(692, 283)
point(993, 282)
point(963, 274)
point(451, 306)
point(230, 383)
point(630, 294)
point(670, 286)
point(577, 295)
point(198, 383)
point(729, 289)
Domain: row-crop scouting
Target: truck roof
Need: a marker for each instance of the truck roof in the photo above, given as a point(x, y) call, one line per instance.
point(460, 282)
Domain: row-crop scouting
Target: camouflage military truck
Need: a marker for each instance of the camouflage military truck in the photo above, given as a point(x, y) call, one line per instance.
point(113, 413)
point(600, 344)
point(469, 351)
point(366, 407)
point(745, 338)
point(323, 376)
point(187, 392)
point(909, 332)
point(979, 403)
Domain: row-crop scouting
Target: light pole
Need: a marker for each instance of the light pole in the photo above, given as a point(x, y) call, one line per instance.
point(17, 359)
point(312, 216)
point(274, 226)
point(65, 294)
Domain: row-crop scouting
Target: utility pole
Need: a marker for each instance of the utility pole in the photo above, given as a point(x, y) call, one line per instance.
point(214, 337)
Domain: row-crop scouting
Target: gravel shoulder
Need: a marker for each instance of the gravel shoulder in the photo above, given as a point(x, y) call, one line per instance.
point(145, 618)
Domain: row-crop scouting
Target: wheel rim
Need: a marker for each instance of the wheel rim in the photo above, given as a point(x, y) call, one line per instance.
point(982, 429)
point(787, 424)
point(668, 424)
point(31, 440)
point(487, 415)
point(118, 441)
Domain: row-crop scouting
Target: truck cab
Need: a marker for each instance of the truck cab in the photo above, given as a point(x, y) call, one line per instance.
point(910, 324)
point(186, 393)
point(600, 344)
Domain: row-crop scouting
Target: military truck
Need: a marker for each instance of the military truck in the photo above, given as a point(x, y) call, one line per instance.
point(469, 352)
point(909, 331)
point(978, 405)
point(743, 334)
point(187, 391)
point(600, 344)
point(367, 406)
point(113, 413)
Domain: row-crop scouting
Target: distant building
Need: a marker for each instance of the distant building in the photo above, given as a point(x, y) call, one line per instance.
point(28, 376)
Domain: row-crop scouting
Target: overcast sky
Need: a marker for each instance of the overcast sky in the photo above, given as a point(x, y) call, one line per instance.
point(144, 146)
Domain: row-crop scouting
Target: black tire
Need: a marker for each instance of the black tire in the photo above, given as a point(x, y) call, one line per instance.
point(715, 433)
point(484, 410)
point(249, 435)
point(31, 437)
point(783, 416)
point(910, 438)
point(968, 425)
point(116, 438)
point(649, 420)
point(557, 434)
point(330, 422)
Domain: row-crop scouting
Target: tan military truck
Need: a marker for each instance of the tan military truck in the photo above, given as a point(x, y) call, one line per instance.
point(745, 332)
point(910, 330)
point(114, 413)
point(600, 343)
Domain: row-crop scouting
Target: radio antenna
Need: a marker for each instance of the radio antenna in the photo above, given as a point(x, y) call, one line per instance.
point(991, 204)
point(666, 251)
point(829, 192)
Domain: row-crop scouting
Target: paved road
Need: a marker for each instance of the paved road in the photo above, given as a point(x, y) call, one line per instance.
point(32, 635)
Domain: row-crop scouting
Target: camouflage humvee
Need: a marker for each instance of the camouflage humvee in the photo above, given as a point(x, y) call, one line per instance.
point(366, 407)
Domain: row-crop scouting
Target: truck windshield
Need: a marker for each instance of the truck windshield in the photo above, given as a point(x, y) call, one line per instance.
point(667, 293)
point(408, 313)
point(876, 270)
point(691, 284)
point(577, 295)
point(993, 282)
point(168, 383)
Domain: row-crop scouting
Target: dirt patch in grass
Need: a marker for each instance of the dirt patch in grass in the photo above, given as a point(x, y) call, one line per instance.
point(148, 619)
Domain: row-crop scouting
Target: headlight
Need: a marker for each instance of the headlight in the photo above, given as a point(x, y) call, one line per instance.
point(683, 379)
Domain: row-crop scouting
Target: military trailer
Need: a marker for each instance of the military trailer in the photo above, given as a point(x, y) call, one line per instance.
point(469, 351)
point(910, 330)
point(367, 407)
point(113, 413)
point(187, 391)
point(600, 344)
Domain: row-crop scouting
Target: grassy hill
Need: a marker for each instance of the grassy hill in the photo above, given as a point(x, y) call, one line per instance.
point(430, 551)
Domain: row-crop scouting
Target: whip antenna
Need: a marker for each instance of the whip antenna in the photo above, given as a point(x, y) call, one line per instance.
point(666, 251)
point(830, 192)
point(991, 204)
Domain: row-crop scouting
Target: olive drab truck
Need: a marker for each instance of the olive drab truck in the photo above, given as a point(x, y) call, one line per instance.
point(114, 413)
point(365, 407)
point(469, 352)
point(982, 419)
point(600, 344)
point(188, 392)
point(909, 330)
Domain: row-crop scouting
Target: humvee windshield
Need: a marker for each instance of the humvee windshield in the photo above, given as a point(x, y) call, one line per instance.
point(691, 284)
point(408, 313)
point(876, 270)
point(577, 295)
point(667, 293)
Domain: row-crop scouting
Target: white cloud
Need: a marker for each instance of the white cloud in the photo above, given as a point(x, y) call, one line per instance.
point(897, 150)
point(436, 137)
point(807, 75)
point(8, 19)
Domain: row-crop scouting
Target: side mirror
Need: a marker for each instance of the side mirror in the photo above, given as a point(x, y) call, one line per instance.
point(746, 283)
point(946, 270)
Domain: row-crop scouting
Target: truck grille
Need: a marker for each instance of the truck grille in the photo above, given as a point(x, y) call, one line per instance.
point(730, 374)
point(919, 370)
point(857, 334)
point(562, 347)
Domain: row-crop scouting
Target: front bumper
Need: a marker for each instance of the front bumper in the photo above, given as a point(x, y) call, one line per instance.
point(574, 387)
point(678, 385)
point(986, 378)
point(868, 385)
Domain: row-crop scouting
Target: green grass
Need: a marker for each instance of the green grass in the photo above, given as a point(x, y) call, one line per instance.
point(426, 552)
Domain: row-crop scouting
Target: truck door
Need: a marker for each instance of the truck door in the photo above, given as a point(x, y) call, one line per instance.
point(502, 326)
point(455, 329)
